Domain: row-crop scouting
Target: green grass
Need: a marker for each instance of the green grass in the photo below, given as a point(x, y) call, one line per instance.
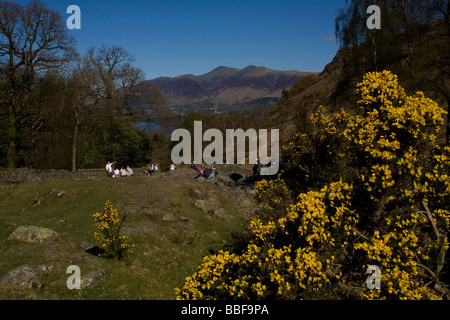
point(161, 258)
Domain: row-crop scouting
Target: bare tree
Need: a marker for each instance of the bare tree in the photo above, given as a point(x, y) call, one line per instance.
point(33, 40)
point(81, 97)
point(104, 86)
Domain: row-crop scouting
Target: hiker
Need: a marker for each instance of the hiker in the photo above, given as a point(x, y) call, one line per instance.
point(129, 171)
point(209, 173)
point(156, 167)
point(193, 166)
point(109, 170)
point(123, 173)
point(199, 172)
point(116, 173)
point(172, 167)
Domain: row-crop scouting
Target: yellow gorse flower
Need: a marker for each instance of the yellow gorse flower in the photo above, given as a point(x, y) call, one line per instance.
point(110, 238)
point(299, 245)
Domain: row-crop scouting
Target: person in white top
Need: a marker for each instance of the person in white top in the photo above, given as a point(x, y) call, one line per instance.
point(172, 167)
point(116, 173)
point(109, 170)
point(129, 171)
point(123, 173)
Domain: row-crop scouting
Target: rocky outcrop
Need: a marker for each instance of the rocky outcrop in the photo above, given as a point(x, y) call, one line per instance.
point(92, 279)
point(26, 276)
point(32, 234)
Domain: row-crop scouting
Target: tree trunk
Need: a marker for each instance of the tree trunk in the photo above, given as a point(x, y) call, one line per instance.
point(74, 148)
point(75, 141)
point(12, 135)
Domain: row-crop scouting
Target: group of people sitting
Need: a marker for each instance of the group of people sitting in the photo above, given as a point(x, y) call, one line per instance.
point(112, 172)
point(207, 172)
point(151, 169)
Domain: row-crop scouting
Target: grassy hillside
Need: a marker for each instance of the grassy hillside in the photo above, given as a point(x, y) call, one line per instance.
point(173, 220)
point(299, 102)
point(334, 87)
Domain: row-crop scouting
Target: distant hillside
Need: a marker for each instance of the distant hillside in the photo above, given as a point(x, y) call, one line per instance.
point(225, 87)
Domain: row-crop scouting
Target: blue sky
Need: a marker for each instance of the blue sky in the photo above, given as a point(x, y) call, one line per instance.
point(174, 37)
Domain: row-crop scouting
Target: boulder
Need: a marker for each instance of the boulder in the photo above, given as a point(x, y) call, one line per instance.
point(32, 234)
point(23, 277)
point(199, 193)
point(227, 181)
point(26, 276)
point(202, 205)
point(92, 279)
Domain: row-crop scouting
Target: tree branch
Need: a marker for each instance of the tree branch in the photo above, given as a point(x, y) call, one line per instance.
point(430, 218)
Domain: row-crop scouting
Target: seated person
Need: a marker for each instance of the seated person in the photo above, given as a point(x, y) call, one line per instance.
point(199, 172)
point(209, 173)
point(129, 171)
point(123, 173)
point(116, 173)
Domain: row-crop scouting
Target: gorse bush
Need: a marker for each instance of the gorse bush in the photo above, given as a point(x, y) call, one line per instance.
point(110, 237)
point(367, 188)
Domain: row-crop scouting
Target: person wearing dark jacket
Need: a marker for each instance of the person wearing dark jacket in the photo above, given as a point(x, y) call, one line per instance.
point(208, 173)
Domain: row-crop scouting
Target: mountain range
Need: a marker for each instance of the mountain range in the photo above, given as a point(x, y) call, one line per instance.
point(225, 87)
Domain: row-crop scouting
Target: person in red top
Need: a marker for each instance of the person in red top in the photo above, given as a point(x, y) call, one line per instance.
point(199, 172)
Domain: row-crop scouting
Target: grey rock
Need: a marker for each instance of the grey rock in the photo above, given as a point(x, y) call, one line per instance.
point(202, 205)
point(168, 217)
point(23, 277)
point(199, 194)
point(92, 279)
point(26, 276)
point(86, 245)
point(59, 193)
point(45, 269)
point(227, 181)
point(32, 234)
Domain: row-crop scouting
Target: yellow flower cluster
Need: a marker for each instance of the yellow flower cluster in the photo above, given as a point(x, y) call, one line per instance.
point(396, 253)
point(388, 132)
point(391, 210)
point(380, 89)
point(110, 237)
point(107, 218)
point(288, 270)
